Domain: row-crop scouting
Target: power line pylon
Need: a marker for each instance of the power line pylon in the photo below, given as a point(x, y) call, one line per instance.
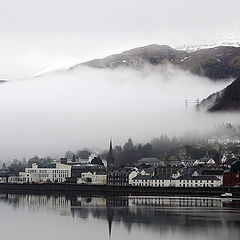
point(197, 105)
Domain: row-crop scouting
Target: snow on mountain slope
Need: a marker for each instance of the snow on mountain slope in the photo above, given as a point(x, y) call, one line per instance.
point(232, 40)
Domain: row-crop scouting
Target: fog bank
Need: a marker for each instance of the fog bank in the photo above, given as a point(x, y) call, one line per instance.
point(69, 110)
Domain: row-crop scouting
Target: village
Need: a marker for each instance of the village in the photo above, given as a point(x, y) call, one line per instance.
point(204, 172)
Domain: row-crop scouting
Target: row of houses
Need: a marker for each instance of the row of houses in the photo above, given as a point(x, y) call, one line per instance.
point(183, 181)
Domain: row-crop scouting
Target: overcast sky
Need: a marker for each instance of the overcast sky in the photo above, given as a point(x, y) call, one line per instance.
point(67, 111)
point(53, 33)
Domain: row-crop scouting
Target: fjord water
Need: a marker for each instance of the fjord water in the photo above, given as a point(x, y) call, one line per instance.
point(24, 216)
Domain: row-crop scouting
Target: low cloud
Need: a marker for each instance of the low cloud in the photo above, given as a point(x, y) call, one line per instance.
point(69, 110)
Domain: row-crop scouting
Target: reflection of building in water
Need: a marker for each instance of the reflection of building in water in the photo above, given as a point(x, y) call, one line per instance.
point(60, 203)
point(90, 201)
point(157, 213)
point(175, 202)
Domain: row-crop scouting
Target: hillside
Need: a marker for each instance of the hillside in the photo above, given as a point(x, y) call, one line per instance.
point(226, 100)
point(215, 63)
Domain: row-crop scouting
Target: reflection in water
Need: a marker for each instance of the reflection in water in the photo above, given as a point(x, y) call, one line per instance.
point(213, 218)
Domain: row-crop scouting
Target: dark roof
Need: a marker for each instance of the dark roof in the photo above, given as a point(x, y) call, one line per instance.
point(142, 177)
point(212, 172)
point(148, 170)
point(162, 177)
point(120, 171)
point(173, 163)
point(149, 160)
point(147, 177)
point(185, 171)
point(190, 177)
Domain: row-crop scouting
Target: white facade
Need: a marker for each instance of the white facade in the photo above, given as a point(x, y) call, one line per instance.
point(198, 182)
point(132, 175)
point(35, 174)
point(180, 182)
point(93, 178)
point(148, 181)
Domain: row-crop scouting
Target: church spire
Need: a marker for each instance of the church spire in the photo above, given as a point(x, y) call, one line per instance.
point(110, 159)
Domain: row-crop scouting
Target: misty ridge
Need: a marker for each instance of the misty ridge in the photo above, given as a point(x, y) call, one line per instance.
point(83, 107)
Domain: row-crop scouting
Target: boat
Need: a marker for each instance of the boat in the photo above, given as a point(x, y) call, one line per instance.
point(226, 195)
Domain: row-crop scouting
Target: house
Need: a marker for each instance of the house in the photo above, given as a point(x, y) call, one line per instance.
point(77, 170)
point(182, 181)
point(212, 140)
point(95, 178)
point(132, 175)
point(141, 180)
point(151, 181)
point(232, 177)
point(224, 158)
point(3, 179)
point(224, 140)
point(148, 171)
point(204, 160)
point(236, 140)
point(188, 162)
point(198, 181)
point(119, 177)
point(214, 172)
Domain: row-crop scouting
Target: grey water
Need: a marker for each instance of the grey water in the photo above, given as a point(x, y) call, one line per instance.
point(29, 216)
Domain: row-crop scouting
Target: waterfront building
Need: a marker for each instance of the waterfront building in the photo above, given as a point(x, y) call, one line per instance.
point(79, 169)
point(151, 181)
point(95, 178)
point(118, 177)
point(59, 173)
point(198, 181)
point(183, 181)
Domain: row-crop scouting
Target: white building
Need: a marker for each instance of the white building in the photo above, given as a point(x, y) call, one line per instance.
point(93, 178)
point(149, 181)
point(132, 175)
point(35, 174)
point(200, 181)
point(183, 181)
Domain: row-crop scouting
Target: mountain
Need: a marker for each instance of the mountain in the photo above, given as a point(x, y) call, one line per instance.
point(231, 39)
point(216, 63)
point(226, 100)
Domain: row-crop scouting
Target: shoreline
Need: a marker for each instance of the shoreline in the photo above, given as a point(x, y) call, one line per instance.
point(116, 190)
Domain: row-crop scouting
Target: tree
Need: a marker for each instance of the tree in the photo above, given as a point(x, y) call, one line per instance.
point(69, 155)
point(97, 160)
point(83, 154)
point(128, 145)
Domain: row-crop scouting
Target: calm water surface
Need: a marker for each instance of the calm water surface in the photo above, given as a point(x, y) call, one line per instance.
point(85, 217)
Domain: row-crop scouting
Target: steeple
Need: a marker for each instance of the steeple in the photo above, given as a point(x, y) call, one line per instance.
point(110, 159)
